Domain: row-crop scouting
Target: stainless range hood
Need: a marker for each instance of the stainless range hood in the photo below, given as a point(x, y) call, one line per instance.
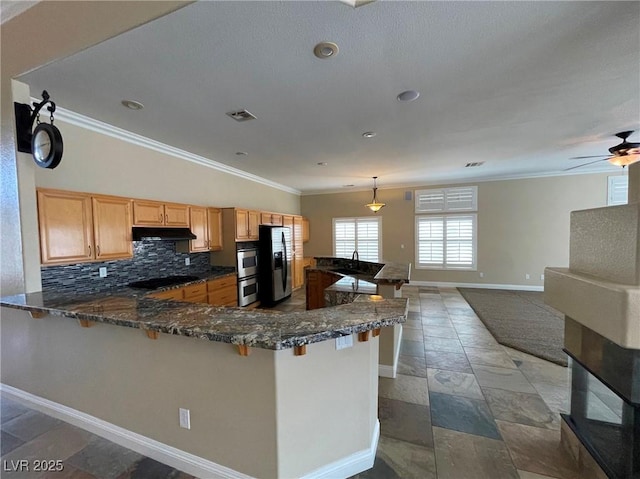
point(162, 234)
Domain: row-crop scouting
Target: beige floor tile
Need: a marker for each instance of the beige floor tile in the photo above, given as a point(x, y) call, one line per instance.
point(532, 475)
point(407, 460)
point(489, 357)
point(502, 378)
point(453, 382)
point(521, 408)
point(477, 340)
point(405, 388)
point(546, 372)
point(460, 455)
point(538, 450)
point(412, 334)
point(556, 397)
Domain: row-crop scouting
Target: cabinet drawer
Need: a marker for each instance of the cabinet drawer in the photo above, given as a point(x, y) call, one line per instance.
point(195, 290)
point(175, 294)
point(216, 284)
point(202, 298)
point(226, 296)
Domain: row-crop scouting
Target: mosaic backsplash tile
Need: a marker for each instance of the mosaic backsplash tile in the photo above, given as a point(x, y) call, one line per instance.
point(150, 259)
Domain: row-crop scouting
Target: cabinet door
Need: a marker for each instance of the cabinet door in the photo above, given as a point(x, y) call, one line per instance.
point(214, 217)
point(148, 213)
point(276, 220)
point(265, 218)
point(254, 222)
point(112, 227)
point(176, 215)
point(242, 225)
point(65, 227)
point(173, 294)
point(200, 228)
point(298, 255)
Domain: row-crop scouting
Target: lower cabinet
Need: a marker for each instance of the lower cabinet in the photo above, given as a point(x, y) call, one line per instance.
point(223, 291)
point(174, 294)
point(317, 282)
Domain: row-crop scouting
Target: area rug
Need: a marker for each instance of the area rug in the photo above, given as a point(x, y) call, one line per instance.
point(520, 320)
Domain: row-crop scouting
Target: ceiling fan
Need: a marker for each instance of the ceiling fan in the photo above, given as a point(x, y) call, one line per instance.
point(622, 154)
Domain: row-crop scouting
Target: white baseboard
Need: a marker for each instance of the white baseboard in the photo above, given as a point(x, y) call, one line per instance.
point(439, 284)
point(351, 465)
point(184, 461)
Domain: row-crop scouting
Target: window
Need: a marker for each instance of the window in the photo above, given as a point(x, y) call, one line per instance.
point(446, 235)
point(618, 190)
point(361, 234)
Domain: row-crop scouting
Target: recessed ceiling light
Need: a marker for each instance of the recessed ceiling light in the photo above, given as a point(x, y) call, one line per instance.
point(132, 104)
point(241, 153)
point(322, 163)
point(325, 50)
point(408, 95)
point(369, 134)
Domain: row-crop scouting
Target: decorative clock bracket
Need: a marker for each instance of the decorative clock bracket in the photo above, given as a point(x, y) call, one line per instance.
point(25, 117)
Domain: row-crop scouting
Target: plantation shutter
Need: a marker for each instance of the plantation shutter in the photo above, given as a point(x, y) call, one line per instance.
point(618, 190)
point(344, 237)
point(367, 239)
point(430, 240)
point(459, 241)
point(429, 201)
point(461, 199)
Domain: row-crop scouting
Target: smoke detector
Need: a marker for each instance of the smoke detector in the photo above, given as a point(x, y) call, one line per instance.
point(241, 115)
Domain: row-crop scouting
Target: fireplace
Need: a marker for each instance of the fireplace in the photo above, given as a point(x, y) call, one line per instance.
point(600, 296)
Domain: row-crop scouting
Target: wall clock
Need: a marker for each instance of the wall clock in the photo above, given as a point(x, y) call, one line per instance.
point(46, 146)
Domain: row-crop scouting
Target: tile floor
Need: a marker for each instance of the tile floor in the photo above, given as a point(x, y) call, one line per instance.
point(462, 406)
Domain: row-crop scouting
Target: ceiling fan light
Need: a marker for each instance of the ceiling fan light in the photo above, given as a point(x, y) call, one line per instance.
point(624, 160)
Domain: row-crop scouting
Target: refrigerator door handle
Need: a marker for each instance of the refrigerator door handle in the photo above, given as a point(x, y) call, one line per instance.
point(285, 268)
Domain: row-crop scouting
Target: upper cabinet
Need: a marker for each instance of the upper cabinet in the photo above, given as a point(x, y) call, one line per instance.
point(305, 230)
point(247, 222)
point(273, 219)
point(155, 213)
point(214, 218)
point(77, 227)
point(206, 224)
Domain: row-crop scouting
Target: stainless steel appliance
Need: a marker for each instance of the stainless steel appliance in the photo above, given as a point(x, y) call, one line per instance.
point(275, 264)
point(247, 262)
point(247, 290)
point(247, 276)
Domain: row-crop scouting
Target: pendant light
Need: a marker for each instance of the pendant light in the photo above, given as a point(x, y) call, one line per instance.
point(375, 205)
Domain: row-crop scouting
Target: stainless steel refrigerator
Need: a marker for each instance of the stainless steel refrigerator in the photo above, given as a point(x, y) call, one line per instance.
point(274, 277)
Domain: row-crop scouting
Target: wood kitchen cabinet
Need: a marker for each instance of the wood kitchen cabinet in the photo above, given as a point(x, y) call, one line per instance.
point(317, 282)
point(78, 227)
point(305, 230)
point(273, 219)
point(198, 218)
point(247, 222)
point(214, 220)
point(298, 256)
point(223, 291)
point(155, 213)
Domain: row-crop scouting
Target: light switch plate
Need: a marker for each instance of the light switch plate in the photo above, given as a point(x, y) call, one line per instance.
point(103, 272)
point(187, 261)
point(185, 418)
point(344, 342)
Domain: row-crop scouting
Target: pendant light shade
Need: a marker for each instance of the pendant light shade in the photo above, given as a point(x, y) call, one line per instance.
point(375, 205)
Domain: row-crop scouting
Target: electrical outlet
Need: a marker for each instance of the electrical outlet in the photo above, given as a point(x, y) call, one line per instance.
point(187, 261)
point(527, 276)
point(482, 275)
point(542, 277)
point(185, 418)
point(103, 272)
point(344, 342)
point(401, 246)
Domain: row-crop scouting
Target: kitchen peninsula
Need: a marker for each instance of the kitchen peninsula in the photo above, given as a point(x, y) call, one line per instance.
point(335, 281)
point(269, 394)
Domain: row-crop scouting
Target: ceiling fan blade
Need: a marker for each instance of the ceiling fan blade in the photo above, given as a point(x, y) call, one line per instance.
point(585, 157)
point(585, 164)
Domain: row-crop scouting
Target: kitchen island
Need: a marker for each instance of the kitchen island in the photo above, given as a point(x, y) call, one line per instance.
point(334, 281)
point(269, 393)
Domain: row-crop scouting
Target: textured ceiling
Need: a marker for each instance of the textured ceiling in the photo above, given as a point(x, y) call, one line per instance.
point(522, 86)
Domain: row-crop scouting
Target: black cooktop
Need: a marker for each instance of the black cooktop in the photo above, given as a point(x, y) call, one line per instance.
point(154, 283)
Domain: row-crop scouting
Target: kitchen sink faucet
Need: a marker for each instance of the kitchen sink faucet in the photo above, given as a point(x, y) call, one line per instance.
point(355, 257)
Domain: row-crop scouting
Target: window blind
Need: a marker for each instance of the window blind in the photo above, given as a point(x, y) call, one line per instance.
point(446, 242)
point(618, 190)
point(361, 234)
point(463, 198)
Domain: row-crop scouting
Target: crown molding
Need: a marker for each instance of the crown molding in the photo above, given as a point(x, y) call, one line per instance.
point(98, 126)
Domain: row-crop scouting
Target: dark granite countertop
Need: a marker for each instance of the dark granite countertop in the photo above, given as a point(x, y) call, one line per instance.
point(353, 284)
point(377, 273)
point(265, 329)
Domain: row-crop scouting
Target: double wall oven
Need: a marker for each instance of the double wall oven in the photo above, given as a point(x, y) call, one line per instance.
point(247, 275)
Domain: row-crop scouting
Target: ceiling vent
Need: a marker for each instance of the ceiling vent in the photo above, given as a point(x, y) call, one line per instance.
point(241, 115)
point(474, 164)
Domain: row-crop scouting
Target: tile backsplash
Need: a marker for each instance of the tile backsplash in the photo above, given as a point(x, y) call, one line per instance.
point(150, 259)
